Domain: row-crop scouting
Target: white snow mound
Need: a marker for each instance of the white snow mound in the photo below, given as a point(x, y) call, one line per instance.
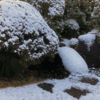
point(88, 39)
point(72, 61)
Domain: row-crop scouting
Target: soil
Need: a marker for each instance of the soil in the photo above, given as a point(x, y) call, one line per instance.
point(76, 92)
point(92, 81)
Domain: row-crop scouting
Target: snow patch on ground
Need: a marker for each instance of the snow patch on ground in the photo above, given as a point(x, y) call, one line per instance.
point(72, 61)
point(33, 92)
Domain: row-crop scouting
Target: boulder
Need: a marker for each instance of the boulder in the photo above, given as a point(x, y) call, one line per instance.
point(24, 34)
point(88, 47)
point(72, 60)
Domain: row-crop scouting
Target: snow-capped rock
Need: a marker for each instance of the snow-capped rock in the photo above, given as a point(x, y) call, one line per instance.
point(88, 39)
point(72, 61)
point(24, 32)
point(71, 28)
point(88, 46)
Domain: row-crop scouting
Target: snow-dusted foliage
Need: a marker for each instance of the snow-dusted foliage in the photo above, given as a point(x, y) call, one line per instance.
point(55, 7)
point(24, 31)
point(88, 39)
point(52, 11)
point(72, 24)
point(72, 61)
point(71, 28)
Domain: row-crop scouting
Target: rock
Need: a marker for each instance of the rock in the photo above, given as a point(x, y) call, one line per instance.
point(88, 47)
point(25, 34)
point(72, 61)
point(76, 92)
point(46, 86)
point(92, 81)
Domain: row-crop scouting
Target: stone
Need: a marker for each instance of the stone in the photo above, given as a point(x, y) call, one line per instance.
point(46, 86)
point(92, 81)
point(89, 49)
point(76, 92)
point(72, 60)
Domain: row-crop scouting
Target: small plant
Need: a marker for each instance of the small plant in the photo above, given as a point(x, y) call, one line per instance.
point(71, 28)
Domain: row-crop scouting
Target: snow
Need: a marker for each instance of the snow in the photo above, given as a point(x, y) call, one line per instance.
point(94, 31)
point(72, 61)
point(65, 41)
point(33, 92)
point(72, 24)
point(88, 39)
point(73, 41)
point(57, 7)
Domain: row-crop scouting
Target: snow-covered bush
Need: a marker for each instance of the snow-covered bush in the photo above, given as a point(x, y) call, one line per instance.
point(71, 28)
point(52, 11)
point(25, 34)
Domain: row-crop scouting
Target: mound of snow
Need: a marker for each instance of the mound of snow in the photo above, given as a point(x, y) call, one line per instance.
point(24, 31)
point(72, 61)
point(88, 39)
